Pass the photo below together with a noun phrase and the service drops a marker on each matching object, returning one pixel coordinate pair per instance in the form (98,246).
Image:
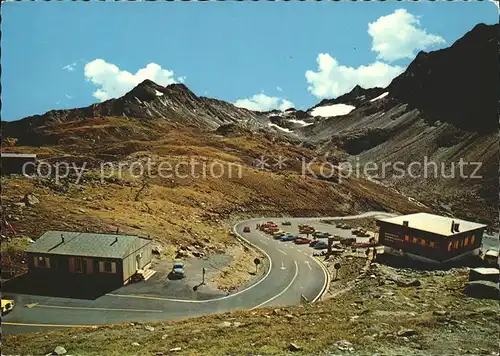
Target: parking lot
(318,226)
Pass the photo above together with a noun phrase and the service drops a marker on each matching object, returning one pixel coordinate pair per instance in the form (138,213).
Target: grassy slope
(379,313)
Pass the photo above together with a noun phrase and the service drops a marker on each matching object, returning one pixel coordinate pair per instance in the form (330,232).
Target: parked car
(287,237)
(278,236)
(273,228)
(287,223)
(246,229)
(319,253)
(302,241)
(313,242)
(321,235)
(7,305)
(307,230)
(178,270)
(320,245)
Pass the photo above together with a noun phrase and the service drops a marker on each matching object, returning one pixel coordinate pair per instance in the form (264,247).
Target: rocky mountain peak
(458,84)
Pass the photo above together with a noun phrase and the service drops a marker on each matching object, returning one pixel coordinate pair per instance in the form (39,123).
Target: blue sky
(261,55)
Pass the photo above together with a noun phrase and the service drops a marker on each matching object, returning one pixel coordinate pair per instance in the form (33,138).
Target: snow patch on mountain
(383,95)
(158,93)
(332,110)
(300,122)
(279,127)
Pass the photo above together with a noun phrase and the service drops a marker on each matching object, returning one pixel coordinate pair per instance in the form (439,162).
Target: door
(80,265)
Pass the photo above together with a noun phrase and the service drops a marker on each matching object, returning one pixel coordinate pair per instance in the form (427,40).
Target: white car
(178,270)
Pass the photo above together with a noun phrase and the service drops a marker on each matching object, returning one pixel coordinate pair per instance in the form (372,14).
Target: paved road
(290,271)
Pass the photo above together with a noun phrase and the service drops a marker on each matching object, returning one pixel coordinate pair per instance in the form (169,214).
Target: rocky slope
(149,104)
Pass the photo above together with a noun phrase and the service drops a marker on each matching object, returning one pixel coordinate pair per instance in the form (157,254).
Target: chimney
(62,238)
(453,226)
(405,223)
(456,227)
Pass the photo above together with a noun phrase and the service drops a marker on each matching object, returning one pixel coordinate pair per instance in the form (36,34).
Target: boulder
(406,332)
(294,347)
(344,345)
(157,249)
(483,290)
(59,350)
(30,200)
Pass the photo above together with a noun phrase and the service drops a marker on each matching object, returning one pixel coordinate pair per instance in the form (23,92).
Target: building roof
(17,155)
(435,224)
(86,244)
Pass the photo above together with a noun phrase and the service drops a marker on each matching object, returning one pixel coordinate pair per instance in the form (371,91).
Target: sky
(260,55)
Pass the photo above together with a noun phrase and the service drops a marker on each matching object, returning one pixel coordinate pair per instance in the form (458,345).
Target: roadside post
(257,263)
(330,243)
(203,275)
(337,267)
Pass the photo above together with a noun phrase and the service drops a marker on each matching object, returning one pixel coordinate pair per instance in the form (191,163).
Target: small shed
(110,258)
(18,163)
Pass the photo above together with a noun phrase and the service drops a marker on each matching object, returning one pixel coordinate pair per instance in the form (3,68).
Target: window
(107,267)
(450,246)
(42,262)
(407,238)
(422,242)
(472,239)
(466,241)
(457,244)
(415,240)
(431,244)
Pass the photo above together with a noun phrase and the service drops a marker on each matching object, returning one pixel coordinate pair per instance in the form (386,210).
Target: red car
(302,241)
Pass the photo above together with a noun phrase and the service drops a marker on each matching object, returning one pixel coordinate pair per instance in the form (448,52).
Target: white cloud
(397,35)
(69,67)
(334,79)
(262,102)
(69,97)
(112,82)
(394,36)
(278,88)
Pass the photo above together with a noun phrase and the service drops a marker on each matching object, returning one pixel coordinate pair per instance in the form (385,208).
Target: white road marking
(284,290)
(265,242)
(305,253)
(94,308)
(283,265)
(308,265)
(283,252)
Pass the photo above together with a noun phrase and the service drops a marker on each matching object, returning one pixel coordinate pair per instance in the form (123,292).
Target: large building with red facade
(430,237)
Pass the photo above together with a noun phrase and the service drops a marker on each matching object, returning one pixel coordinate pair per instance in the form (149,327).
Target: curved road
(291,271)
